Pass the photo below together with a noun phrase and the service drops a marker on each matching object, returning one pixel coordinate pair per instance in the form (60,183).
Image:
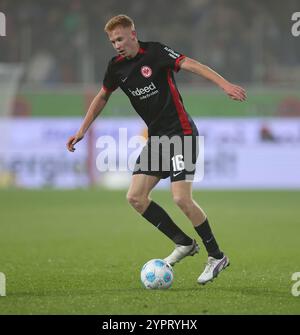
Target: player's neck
(135,50)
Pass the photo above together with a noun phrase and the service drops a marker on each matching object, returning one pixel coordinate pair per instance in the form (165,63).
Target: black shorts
(173,157)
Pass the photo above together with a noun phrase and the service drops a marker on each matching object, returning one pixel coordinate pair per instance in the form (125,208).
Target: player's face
(124,41)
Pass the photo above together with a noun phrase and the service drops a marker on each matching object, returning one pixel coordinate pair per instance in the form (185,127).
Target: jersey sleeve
(109,82)
(168,57)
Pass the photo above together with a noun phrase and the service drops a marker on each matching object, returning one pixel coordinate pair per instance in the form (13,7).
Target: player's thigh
(142,184)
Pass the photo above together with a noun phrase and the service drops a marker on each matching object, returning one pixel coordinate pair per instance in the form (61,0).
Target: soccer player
(144,72)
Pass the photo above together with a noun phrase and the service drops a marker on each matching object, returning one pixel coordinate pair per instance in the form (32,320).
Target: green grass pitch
(80,252)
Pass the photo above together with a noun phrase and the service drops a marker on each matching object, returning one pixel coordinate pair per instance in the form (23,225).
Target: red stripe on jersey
(176,67)
(119,58)
(141,51)
(108,89)
(185,124)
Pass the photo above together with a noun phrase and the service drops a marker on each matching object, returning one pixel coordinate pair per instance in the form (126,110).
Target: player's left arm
(235,92)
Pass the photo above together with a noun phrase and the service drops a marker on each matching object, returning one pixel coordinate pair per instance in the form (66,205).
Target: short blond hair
(119,20)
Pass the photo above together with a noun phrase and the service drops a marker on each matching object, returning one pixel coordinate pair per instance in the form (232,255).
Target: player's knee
(137,202)
(184,203)
(132,199)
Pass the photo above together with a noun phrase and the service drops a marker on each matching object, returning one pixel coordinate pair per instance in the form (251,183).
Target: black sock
(209,241)
(161,220)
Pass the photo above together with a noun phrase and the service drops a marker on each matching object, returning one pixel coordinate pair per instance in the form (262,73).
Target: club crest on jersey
(146,71)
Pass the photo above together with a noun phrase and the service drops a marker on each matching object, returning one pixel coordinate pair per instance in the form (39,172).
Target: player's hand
(235,92)
(72,141)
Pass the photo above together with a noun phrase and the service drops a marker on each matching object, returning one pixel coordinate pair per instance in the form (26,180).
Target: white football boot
(182,251)
(213,268)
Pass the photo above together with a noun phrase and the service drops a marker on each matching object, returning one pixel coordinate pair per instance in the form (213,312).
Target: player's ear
(133,34)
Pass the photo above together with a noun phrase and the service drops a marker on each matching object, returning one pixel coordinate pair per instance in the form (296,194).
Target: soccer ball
(157,274)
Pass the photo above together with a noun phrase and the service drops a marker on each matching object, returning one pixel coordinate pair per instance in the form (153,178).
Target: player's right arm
(94,110)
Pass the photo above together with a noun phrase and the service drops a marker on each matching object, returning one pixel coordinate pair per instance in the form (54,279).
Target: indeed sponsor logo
(140,91)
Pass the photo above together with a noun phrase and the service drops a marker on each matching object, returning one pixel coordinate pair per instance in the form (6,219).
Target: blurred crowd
(62,41)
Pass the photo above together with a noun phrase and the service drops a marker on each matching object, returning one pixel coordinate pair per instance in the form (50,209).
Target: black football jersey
(148,81)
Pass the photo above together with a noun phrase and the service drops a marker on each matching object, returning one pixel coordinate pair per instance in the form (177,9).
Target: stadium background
(70,243)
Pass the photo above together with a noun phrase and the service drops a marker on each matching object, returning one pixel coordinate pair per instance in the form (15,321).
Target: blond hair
(119,20)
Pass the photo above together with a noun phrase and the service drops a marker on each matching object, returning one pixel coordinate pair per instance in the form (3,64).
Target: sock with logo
(208,239)
(161,220)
